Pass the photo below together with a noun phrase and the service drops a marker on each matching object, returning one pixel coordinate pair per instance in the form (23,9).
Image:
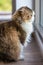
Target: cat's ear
(20,12)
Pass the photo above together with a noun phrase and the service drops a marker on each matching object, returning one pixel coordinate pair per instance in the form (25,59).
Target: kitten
(15,34)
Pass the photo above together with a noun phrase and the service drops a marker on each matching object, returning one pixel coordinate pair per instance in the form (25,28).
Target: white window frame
(5,15)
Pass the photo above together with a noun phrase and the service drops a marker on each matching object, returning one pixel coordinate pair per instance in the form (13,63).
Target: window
(41,12)
(39,18)
(28,3)
(5,9)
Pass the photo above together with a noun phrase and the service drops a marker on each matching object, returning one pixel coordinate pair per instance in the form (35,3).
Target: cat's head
(24,14)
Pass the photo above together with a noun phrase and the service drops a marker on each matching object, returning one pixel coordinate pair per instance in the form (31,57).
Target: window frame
(37,23)
(41,24)
(5,15)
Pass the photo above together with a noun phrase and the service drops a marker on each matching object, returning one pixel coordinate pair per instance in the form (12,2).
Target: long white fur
(22,52)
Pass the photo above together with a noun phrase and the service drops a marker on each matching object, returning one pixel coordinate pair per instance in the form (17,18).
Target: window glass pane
(5,5)
(5,9)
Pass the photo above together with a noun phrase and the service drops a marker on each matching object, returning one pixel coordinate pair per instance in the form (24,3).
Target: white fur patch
(21,52)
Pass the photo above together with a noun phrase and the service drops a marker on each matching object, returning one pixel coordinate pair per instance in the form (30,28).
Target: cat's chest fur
(28,28)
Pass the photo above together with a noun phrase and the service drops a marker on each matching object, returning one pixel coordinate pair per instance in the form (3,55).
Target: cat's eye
(31,15)
(28,16)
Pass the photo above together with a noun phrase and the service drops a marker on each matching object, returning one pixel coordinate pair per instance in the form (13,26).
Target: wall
(20,3)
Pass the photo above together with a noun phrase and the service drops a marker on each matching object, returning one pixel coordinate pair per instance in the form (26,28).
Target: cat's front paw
(25,44)
(21,57)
